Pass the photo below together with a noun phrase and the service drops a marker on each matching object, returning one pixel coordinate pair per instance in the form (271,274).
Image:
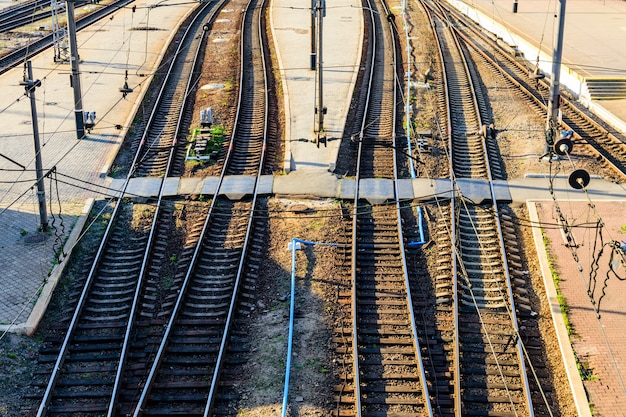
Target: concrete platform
(593,46)
(341,56)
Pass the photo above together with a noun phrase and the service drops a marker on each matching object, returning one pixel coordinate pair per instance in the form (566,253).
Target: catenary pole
(74,58)
(30,85)
(554,101)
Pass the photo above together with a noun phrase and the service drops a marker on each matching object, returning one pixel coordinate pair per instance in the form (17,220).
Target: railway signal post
(320,110)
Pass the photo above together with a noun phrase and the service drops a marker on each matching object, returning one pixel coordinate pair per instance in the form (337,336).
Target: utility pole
(321,11)
(30,85)
(75,80)
(313,34)
(552,122)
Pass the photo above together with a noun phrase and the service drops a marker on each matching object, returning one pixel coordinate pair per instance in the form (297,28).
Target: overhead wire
(593,266)
(469,285)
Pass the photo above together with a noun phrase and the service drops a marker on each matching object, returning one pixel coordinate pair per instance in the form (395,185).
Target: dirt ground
(520,141)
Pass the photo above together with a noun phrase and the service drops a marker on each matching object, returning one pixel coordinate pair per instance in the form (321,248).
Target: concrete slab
(501,191)
(347,189)
(192,186)
(144,187)
(306,183)
(170,188)
(209,187)
(237,187)
(376,191)
(291,29)
(405,189)
(428,188)
(266,184)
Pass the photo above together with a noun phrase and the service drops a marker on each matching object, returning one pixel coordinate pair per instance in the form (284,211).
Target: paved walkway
(342,38)
(598,337)
(106,49)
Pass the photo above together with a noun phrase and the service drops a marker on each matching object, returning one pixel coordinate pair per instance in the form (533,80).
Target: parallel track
(604,143)
(183,370)
(476,311)
(86,371)
(384,373)
(23,13)
(18,56)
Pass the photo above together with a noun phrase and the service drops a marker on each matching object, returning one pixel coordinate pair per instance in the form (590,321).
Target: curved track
(85,373)
(604,142)
(18,56)
(22,14)
(184,365)
(477,288)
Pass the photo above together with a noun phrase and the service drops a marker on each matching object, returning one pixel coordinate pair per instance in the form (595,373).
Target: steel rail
(192,266)
(22,19)
(231,310)
(570,107)
(27,6)
(458,259)
(12,59)
(405,270)
(355,225)
(163,96)
(27,13)
(91,276)
(453,232)
(172,153)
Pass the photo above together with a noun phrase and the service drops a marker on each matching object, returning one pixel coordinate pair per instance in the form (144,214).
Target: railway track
(86,365)
(155,319)
(603,142)
(23,13)
(383,371)
(184,329)
(184,373)
(19,55)
(477,288)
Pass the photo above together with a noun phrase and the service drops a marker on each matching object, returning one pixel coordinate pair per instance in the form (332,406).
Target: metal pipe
(291,316)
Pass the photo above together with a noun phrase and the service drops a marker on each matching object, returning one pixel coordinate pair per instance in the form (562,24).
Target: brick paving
(28,255)
(599,341)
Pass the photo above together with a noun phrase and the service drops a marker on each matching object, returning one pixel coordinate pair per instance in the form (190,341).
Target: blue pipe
(420,225)
(292,313)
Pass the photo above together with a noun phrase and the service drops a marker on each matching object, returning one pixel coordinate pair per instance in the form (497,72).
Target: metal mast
(30,85)
(552,122)
(78,99)
(59,33)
